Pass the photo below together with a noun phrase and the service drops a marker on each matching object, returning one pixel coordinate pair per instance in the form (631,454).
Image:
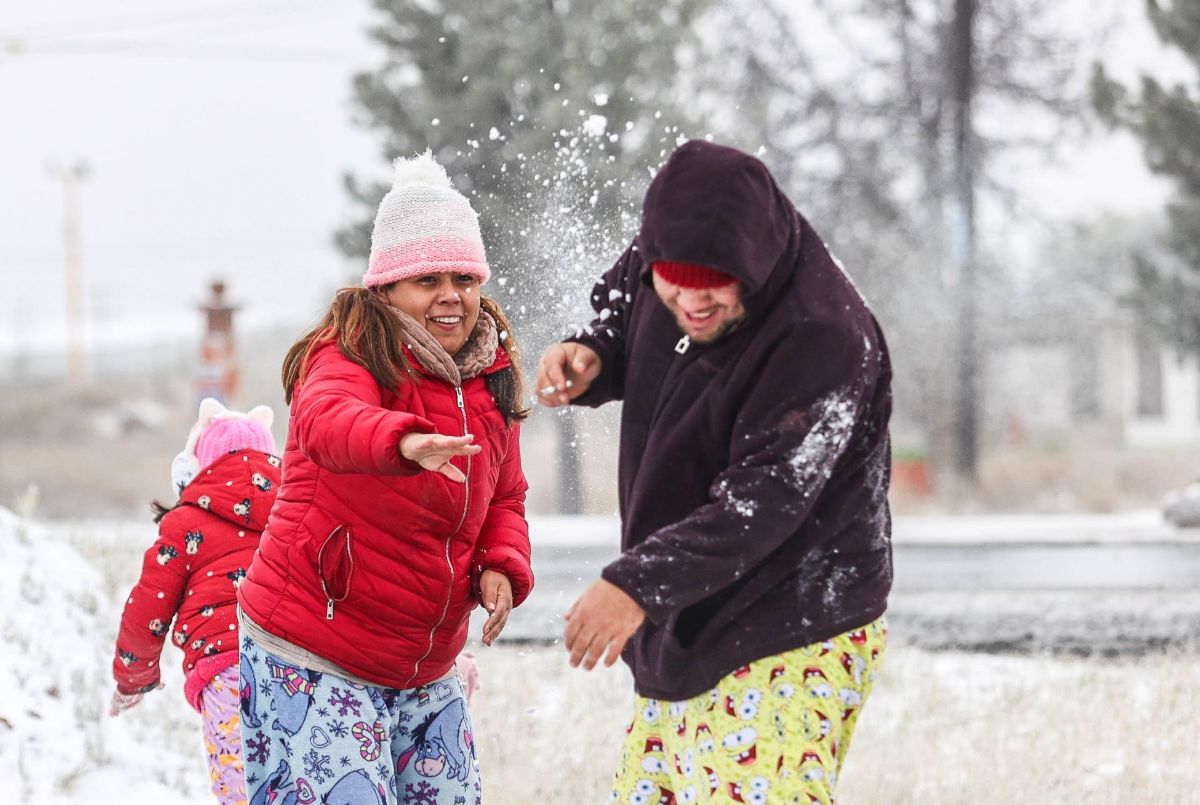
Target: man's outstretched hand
(565,372)
(604,617)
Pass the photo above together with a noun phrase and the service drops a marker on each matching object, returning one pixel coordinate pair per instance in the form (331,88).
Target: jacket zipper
(462,519)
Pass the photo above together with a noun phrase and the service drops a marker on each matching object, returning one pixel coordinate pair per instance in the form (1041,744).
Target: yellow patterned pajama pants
(774,731)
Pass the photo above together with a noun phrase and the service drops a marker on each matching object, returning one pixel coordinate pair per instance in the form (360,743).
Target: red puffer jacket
(192,572)
(368,560)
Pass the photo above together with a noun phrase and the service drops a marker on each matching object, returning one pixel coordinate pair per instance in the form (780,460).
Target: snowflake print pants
(774,731)
(311,737)
(223,737)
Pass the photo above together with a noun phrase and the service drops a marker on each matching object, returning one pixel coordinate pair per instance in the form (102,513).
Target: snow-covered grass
(940,728)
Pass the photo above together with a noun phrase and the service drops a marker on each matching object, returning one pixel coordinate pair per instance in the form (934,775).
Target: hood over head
(716,206)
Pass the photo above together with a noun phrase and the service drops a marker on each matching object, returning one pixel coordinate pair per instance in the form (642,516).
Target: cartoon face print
(747,708)
(704,739)
(274,461)
(817,725)
(193,539)
(207,610)
(779,685)
(243,509)
(261,481)
(685,764)
(127,659)
(811,767)
(165,554)
(741,746)
(653,765)
(181,636)
(211,649)
(157,627)
(650,712)
(780,727)
(236,577)
(754,790)
(817,683)
(198,644)
(647,793)
(204,502)
(855,666)
(714,781)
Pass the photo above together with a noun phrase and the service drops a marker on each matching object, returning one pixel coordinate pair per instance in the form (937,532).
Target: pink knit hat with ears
(217,432)
(424,226)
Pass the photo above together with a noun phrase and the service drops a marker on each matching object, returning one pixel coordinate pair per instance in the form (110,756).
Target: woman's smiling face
(446,304)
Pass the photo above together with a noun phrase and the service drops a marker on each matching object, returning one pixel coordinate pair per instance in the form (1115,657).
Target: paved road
(1080,598)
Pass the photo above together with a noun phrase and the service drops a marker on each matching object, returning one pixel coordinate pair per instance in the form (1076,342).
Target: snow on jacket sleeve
(149,610)
(612,298)
(503,542)
(341,425)
(783,449)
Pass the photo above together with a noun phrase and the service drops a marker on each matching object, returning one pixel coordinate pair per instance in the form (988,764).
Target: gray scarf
(476,355)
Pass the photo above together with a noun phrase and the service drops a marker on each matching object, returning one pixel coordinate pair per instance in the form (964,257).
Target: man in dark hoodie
(754,464)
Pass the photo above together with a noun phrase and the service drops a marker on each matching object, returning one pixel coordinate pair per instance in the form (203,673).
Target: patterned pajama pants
(774,731)
(311,737)
(223,737)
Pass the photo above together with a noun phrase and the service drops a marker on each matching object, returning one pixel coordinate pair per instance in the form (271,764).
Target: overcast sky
(217,134)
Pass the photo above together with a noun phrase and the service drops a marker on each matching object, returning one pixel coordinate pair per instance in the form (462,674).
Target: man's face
(704,314)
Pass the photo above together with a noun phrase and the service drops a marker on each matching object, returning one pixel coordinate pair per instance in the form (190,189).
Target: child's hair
(367,332)
(160,511)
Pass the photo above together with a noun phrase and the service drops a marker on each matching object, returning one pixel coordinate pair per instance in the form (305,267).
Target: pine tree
(1167,120)
(550,115)
(492,86)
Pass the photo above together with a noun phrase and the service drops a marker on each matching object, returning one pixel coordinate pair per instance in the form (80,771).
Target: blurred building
(1121,385)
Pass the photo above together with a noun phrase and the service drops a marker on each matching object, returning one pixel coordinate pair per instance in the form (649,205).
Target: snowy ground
(941,727)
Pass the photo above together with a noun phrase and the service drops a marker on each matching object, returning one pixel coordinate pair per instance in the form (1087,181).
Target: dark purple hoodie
(753,470)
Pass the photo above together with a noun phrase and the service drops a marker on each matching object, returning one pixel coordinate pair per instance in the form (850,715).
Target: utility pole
(570,468)
(962,240)
(71,178)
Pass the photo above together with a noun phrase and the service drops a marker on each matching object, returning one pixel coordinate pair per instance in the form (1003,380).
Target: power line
(148,19)
(204,23)
(168,50)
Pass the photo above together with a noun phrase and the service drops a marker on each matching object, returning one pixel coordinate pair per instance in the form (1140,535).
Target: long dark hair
(368,332)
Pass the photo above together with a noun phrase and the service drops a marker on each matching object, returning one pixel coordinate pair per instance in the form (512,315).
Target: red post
(218,374)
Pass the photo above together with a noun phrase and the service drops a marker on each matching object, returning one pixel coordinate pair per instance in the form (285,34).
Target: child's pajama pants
(222,737)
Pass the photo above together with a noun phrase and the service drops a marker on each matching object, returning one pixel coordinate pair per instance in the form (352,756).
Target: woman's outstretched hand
(433,451)
(496,590)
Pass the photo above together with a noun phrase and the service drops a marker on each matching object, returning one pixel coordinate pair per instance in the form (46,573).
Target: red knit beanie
(691,275)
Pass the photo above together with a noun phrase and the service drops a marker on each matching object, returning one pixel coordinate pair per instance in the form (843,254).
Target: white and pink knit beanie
(424,226)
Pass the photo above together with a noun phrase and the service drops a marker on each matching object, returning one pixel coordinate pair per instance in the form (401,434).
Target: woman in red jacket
(401,508)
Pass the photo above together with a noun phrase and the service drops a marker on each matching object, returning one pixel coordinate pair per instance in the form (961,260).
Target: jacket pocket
(335,567)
